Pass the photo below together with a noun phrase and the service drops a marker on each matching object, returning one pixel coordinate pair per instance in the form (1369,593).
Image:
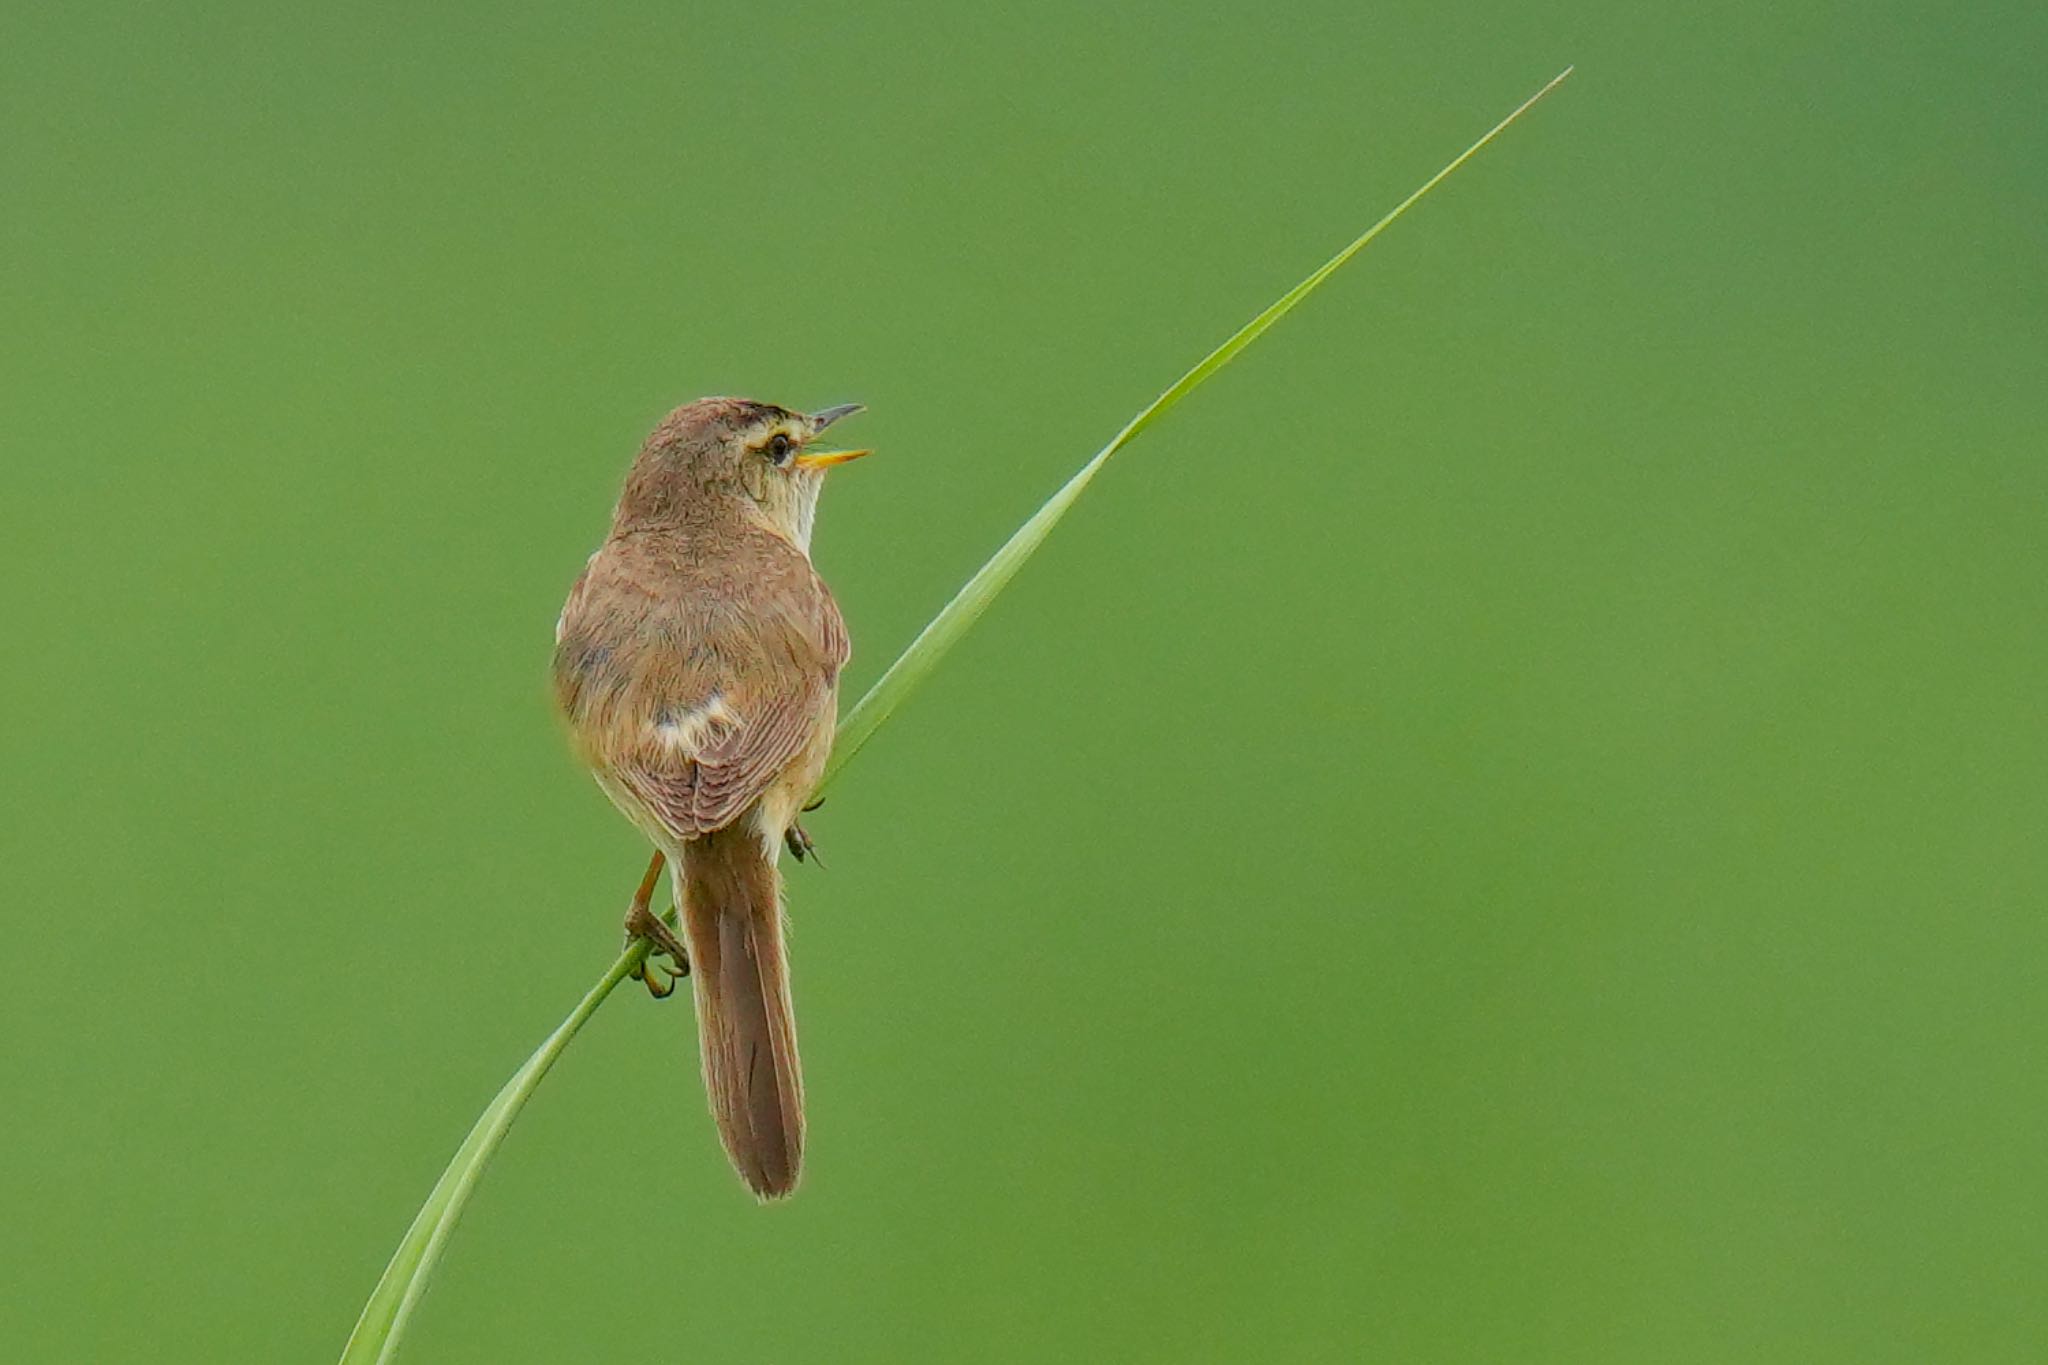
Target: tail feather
(732,917)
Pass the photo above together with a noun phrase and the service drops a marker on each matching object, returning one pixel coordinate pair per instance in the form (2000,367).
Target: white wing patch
(687,730)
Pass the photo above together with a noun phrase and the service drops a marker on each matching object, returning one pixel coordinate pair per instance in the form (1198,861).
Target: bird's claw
(644,923)
(801,846)
(659,980)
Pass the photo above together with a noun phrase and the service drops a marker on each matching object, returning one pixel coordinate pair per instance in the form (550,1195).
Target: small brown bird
(697,662)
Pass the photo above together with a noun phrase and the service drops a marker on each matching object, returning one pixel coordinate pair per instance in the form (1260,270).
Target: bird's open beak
(821,420)
(825,459)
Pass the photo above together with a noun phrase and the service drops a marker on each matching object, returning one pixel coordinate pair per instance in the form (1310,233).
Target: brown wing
(707,788)
(694,693)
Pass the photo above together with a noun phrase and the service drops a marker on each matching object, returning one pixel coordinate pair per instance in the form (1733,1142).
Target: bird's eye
(779,446)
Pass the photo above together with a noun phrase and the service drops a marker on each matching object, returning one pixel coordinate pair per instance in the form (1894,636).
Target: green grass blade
(945,630)
(382,1325)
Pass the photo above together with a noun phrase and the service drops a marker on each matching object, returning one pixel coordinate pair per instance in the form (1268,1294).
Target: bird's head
(714,449)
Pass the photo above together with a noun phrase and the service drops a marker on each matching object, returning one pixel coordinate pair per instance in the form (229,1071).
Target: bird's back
(677,623)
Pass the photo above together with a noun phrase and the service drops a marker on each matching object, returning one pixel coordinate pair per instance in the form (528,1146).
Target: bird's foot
(659,980)
(642,922)
(800,844)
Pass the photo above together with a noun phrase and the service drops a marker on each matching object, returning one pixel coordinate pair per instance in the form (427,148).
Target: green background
(1510,828)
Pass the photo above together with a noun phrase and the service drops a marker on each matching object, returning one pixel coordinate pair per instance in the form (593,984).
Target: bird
(696,665)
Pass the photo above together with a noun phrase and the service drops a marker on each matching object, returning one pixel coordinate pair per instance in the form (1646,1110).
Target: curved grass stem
(378,1332)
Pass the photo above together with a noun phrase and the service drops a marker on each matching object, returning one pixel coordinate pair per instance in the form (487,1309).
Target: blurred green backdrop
(1510,829)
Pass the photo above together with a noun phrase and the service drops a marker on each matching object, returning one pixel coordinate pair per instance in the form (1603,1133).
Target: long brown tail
(732,916)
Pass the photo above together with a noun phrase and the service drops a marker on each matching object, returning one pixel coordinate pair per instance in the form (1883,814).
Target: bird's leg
(642,922)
